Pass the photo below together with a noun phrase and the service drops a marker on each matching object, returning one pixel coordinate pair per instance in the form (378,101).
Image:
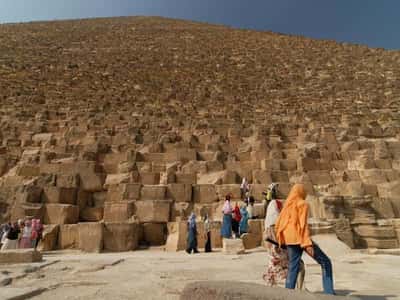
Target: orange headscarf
(297,194)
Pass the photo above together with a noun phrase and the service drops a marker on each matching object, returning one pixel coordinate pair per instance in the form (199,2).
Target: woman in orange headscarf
(292,230)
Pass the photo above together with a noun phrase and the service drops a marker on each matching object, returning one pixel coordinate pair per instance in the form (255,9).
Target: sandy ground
(155,274)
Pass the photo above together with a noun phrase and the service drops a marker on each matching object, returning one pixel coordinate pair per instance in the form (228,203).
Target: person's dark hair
(252,200)
(228,197)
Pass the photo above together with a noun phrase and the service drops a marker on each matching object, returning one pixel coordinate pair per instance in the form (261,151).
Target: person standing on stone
(244,188)
(37,231)
(250,207)
(243,225)
(11,240)
(3,233)
(292,230)
(226,228)
(192,235)
(236,217)
(207,232)
(26,239)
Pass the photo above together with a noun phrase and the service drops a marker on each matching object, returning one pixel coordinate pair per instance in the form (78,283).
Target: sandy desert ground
(155,274)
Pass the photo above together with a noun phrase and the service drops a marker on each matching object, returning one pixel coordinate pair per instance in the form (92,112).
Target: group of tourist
(286,231)
(21,235)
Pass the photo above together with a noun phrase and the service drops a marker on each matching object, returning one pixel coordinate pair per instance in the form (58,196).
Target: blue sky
(371,22)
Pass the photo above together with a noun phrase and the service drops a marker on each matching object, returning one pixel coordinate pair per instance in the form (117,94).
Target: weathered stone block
(118,211)
(68,181)
(68,236)
(149,178)
(188,178)
(57,195)
(232,246)
(91,214)
(204,193)
(153,192)
(91,237)
(20,256)
(116,179)
(225,189)
(177,236)
(121,236)
(155,233)
(91,181)
(262,177)
(153,211)
(180,192)
(61,214)
(49,238)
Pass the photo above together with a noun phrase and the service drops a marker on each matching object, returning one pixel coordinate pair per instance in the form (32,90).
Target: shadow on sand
(364,297)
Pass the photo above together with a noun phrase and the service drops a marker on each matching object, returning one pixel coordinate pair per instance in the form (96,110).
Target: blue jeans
(295,252)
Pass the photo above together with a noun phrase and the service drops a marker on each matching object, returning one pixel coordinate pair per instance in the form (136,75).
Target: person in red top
(236,217)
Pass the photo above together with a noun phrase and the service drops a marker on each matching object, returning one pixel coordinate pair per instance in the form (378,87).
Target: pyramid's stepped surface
(114,130)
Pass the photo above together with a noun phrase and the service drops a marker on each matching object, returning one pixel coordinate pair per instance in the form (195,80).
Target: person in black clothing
(11,241)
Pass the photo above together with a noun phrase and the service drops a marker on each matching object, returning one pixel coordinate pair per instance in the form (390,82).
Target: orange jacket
(292,225)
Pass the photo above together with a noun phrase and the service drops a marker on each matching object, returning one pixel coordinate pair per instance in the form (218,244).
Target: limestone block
(231,189)
(379,232)
(28,170)
(49,238)
(279,176)
(188,178)
(270,165)
(153,211)
(91,237)
(181,210)
(43,138)
(312,164)
(67,181)
(230,177)
(362,163)
(57,195)
(262,177)
(116,179)
(182,154)
(204,193)
(61,214)
(149,178)
(153,192)
(232,246)
(91,181)
(91,214)
(177,236)
(383,164)
(118,211)
(20,256)
(288,165)
(259,210)
(378,243)
(255,226)
(68,236)
(179,192)
(320,177)
(354,188)
(250,241)
(373,176)
(214,166)
(383,208)
(155,233)
(121,236)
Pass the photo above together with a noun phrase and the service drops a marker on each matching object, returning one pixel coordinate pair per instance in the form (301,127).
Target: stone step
(381,232)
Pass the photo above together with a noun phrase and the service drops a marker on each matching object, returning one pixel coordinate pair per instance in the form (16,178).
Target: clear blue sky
(371,22)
